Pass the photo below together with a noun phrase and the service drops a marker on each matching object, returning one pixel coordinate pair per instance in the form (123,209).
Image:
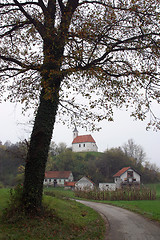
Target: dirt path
(126,225)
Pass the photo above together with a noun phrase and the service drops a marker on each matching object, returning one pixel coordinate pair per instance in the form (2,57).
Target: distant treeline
(99,167)
(12,156)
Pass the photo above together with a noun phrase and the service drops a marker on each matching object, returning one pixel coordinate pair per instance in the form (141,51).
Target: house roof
(83,139)
(57,174)
(120,172)
(69,184)
(86,179)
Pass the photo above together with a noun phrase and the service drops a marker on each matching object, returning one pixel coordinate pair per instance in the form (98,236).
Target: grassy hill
(65,219)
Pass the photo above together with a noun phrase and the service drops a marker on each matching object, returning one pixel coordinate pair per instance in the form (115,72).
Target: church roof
(83,139)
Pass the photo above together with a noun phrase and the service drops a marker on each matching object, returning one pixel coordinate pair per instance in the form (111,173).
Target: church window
(84,145)
(79,145)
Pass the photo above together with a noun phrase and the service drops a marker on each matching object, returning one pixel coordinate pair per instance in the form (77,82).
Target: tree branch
(41,4)
(38,25)
(67,15)
(19,63)
(14,28)
(61,6)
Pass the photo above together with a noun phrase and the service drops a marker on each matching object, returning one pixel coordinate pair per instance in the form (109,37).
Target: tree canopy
(107,55)
(82,57)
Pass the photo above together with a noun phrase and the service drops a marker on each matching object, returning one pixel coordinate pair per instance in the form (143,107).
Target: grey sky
(113,134)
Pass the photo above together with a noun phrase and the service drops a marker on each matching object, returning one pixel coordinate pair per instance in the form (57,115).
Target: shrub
(14,210)
(16,196)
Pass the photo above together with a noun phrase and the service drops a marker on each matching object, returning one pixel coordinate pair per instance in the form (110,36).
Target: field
(65,219)
(68,219)
(157,188)
(147,208)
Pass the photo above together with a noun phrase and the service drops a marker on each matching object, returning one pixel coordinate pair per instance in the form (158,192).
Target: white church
(83,143)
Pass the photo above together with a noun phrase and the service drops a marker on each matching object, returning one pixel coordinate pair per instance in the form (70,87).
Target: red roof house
(126,175)
(58,177)
(120,172)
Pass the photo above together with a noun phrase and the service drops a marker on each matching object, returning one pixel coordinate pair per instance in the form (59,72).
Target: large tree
(85,57)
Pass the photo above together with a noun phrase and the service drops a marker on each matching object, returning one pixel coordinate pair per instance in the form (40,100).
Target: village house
(126,176)
(57,178)
(69,185)
(84,184)
(83,143)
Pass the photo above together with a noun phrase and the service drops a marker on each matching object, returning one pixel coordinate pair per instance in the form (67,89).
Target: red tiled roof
(57,174)
(69,184)
(83,139)
(119,173)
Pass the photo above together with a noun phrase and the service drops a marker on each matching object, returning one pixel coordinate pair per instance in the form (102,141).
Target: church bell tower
(75,133)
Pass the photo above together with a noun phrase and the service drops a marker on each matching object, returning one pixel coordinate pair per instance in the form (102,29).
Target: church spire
(75,133)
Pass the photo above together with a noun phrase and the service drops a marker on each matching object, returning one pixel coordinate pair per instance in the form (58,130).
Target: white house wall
(107,186)
(50,181)
(123,177)
(84,147)
(84,184)
(135,175)
(60,182)
(70,178)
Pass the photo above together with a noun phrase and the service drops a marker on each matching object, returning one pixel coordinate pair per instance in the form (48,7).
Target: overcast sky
(113,134)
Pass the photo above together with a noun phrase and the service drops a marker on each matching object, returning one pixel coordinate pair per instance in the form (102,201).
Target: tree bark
(53,49)
(38,153)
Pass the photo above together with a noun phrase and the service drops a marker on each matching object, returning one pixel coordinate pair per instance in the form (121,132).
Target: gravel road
(125,225)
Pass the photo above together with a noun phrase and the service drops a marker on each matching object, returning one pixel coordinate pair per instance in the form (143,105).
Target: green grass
(95,154)
(59,192)
(66,219)
(70,220)
(147,208)
(4,197)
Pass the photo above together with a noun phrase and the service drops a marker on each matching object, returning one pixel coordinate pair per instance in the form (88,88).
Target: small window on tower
(83,145)
(79,145)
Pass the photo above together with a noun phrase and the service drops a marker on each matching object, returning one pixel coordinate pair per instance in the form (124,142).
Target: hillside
(99,167)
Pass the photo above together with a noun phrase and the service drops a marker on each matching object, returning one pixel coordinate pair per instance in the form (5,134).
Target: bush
(14,208)
(16,196)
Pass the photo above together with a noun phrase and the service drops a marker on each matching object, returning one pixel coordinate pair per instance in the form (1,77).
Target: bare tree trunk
(38,153)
